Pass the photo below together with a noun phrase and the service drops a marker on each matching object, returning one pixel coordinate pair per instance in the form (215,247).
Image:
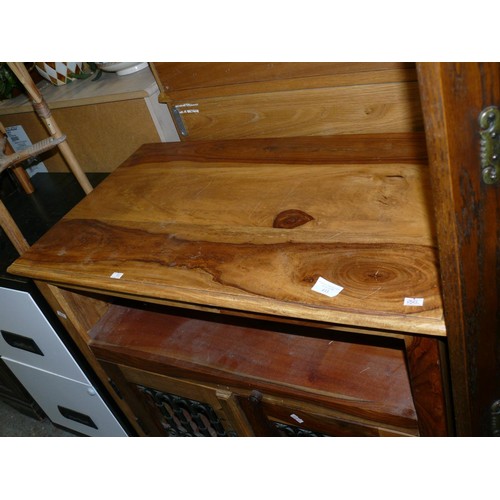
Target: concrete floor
(15,424)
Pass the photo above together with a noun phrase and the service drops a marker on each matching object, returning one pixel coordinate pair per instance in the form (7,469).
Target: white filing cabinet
(35,354)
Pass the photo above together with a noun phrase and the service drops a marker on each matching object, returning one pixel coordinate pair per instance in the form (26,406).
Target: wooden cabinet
(174,407)
(371,251)
(248,229)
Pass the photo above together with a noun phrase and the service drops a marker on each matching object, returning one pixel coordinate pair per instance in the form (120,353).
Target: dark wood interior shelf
(367,381)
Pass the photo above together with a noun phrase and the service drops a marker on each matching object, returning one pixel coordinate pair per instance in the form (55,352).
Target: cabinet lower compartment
(193,373)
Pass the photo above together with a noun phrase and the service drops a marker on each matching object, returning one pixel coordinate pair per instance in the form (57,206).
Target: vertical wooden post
(467,213)
(13,232)
(427,377)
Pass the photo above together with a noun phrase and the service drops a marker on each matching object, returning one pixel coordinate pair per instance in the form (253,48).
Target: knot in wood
(288,219)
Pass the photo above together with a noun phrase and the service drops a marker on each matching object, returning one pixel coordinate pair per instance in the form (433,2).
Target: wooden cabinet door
(467,213)
(277,417)
(166,406)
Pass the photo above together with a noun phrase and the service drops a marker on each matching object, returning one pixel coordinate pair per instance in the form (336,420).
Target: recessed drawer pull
(21,342)
(76,416)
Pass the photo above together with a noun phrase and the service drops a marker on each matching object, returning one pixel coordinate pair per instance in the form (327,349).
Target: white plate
(122,68)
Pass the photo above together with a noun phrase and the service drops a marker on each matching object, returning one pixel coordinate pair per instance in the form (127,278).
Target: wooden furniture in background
(105,120)
(244,100)
(45,115)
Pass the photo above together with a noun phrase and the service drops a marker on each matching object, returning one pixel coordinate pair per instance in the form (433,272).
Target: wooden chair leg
(24,179)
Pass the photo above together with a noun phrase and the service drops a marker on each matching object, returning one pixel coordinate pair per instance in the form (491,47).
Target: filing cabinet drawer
(27,336)
(68,403)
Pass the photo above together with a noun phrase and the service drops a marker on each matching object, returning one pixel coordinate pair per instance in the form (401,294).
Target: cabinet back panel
(359,109)
(249,100)
(179,76)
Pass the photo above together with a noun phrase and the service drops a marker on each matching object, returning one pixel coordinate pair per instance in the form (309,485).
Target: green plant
(8,82)
(90,68)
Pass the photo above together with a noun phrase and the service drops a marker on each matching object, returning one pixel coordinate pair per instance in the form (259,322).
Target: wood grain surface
(248,100)
(174,77)
(201,231)
(372,108)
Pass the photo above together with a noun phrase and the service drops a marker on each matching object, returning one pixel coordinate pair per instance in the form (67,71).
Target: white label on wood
(187,105)
(326,287)
(413,301)
(62,315)
(297,419)
(116,276)
(19,140)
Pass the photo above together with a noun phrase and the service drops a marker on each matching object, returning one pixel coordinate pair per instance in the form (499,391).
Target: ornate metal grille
(293,431)
(182,417)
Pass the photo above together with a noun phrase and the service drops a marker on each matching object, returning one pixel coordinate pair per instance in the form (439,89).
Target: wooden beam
(467,213)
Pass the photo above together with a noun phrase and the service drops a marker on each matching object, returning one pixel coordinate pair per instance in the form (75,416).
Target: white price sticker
(413,301)
(116,276)
(296,418)
(326,287)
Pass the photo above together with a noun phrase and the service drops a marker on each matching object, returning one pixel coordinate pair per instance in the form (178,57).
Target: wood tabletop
(252,225)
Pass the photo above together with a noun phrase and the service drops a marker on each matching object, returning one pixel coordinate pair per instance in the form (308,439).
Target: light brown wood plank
(201,78)
(366,149)
(205,233)
(380,108)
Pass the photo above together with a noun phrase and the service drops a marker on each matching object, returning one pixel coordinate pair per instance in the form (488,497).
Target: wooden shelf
(196,224)
(361,380)
(109,88)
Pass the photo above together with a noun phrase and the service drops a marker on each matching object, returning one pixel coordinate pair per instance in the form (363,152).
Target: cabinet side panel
(467,217)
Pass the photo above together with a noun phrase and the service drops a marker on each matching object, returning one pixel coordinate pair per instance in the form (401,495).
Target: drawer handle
(21,342)
(256,415)
(76,416)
